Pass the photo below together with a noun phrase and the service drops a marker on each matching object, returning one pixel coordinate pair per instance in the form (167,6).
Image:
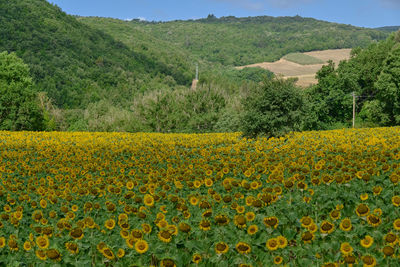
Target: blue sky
(364,13)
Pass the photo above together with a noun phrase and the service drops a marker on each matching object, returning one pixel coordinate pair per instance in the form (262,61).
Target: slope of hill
(305,73)
(388,28)
(74,63)
(241,41)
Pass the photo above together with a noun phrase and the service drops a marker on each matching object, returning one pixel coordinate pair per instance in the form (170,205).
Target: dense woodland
(98,74)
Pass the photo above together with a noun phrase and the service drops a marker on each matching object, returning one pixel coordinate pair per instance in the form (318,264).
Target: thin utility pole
(354,109)
(197,71)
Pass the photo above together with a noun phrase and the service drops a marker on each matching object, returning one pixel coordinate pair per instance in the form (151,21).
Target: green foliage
(275,109)
(388,88)
(303,59)
(19,109)
(373,73)
(242,41)
(74,63)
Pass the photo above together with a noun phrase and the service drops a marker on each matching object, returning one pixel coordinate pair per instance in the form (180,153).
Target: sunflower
(167,263)
(334,214)
(312,228)
(272,244)
(307,237)
(350,260)
(27,246)
(172,229)
(272,222)
(278,260)
(76,233)
(165,236)
(108,253)
(162,224)
(184,227)
(42,242)
(326,227)
(306,221)
(390,238)
(136,234)
(129,185)
(72,247)
(374,220)
(364,196)
(109,224)
(141,246)
(53,254)
(148,200)
(377,190)
(221,219)
(388,251)
(250,216)
(120,253)
(240,209)
(346,248)
(205,225)
(208,182)
(146,228)
(362,210)
(368,260)
(194,200)
(221,248)
(240,221)
(74,208)
(282,241)
(41,254)
(396,224)
(196,258)
(253,229)
(367,241)
(396,201)
(243,248)
(345,224)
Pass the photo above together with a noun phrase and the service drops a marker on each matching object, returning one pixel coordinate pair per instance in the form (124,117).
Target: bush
(274,109)
(19,108)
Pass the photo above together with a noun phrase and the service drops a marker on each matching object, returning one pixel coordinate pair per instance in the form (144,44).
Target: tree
(19,109)
(275,109)
(388,88)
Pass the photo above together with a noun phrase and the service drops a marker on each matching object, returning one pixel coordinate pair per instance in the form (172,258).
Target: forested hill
(74,63)
(241,41)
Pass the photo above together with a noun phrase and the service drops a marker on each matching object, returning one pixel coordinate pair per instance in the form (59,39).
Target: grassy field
(112,199)
(303,59)
(299,64)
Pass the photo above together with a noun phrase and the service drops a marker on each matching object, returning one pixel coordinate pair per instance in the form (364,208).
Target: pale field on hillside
(305,73)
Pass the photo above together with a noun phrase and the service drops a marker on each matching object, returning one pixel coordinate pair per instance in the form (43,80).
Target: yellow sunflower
(253,229)
(272,222)
(367,241)
(196,258)
(110,224)
(345,224)
(327,227)
(346,248)
(243,248)
(42,242)
(272,244)
(307,237)
(221,248)
(282,241)
(368,260)
(141,246)
(278,260)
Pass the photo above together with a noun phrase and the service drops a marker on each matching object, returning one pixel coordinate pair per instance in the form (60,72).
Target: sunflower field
(328,198)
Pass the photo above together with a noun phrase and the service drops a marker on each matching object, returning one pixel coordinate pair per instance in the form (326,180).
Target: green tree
(275,109)
(388,88)
(19,109)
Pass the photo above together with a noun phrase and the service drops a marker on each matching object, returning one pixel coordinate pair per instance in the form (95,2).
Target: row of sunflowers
(327,198)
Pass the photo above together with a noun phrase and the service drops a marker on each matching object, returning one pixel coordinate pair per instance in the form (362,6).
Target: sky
(363,13)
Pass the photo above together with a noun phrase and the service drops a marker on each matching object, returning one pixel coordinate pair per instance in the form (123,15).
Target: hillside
(74,63)
(241,41)
(303,66)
